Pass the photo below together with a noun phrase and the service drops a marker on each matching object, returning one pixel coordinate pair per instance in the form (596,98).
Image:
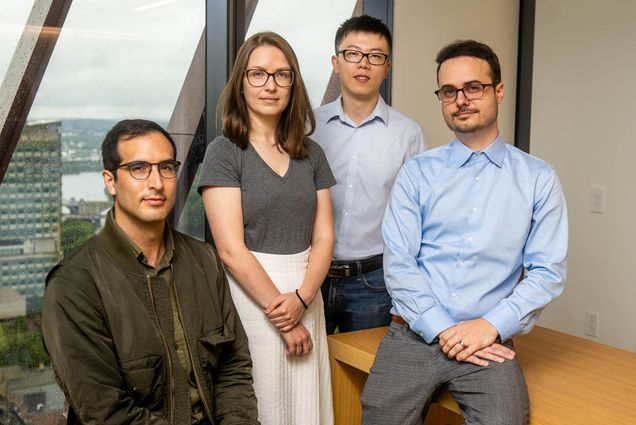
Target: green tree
(37,354)
(21,343)
(75,232)
(192,220)
(4,341)
(20,325)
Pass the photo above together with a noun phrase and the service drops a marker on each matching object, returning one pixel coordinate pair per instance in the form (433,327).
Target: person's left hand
(285,311)
(297,341)
(461,341)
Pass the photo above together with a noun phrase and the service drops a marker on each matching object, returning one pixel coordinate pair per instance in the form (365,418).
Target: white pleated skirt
(291,390)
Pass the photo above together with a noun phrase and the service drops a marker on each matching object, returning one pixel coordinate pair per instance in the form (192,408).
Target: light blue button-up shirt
(365,158)
(460,227)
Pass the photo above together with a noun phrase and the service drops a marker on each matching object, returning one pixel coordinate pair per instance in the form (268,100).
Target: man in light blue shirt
(366,142)
(463,222)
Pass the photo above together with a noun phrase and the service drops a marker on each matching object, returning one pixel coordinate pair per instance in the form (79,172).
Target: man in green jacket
(139,322)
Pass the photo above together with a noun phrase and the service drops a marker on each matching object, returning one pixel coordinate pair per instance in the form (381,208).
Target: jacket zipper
(165,344)
(208,412)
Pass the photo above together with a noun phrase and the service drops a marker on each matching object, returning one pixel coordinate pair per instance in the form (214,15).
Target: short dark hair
(128,129)
(473,49)
(363,23)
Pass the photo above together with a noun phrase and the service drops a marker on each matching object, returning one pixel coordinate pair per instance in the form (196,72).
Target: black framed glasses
(140,170)
(355,56)
(472,91)
(258,77)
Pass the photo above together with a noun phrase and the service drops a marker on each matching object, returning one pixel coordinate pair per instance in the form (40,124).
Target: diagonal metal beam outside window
(226,24)
(383,10)
(25,72)
(185,126)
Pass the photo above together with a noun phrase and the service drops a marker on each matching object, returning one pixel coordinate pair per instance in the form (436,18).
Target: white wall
(422,28)
(583,118)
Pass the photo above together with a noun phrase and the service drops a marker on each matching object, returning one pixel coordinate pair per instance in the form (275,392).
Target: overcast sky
(129,58)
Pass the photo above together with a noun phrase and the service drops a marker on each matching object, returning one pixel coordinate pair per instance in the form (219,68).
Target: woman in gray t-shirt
(265,188)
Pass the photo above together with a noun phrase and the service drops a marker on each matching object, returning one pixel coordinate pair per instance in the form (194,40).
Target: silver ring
(462,343)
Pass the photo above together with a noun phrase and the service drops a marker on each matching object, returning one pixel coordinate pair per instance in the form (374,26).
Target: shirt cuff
(432,323)
(505,320)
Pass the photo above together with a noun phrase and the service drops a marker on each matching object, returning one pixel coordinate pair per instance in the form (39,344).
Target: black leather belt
(343,269)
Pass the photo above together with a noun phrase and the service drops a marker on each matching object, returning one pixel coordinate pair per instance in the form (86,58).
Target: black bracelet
(301,300)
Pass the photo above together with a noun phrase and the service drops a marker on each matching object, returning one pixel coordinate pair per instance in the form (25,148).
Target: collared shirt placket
(474,170)
(350,184)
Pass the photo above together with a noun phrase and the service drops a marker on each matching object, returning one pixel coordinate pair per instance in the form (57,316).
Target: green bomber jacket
(108,328)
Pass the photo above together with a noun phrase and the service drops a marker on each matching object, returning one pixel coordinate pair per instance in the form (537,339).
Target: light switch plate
(597,200)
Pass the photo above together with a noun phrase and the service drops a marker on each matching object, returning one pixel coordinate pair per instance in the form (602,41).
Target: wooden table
(571,381)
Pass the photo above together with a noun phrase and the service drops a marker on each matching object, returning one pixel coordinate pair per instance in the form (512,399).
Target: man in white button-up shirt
(366,142)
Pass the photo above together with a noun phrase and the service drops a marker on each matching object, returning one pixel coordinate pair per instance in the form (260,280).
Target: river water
(88,185)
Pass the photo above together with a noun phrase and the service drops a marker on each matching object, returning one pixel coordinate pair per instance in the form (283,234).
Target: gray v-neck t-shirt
(278,211)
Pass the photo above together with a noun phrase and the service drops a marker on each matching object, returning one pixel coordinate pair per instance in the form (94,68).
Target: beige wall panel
(583,123)
(422,27)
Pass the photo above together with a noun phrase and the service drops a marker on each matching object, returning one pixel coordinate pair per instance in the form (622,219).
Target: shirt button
(469,239)
(355,157)
(477,179)
(474,209)
(350,186)
(346,213)
(460,264)
(453,295)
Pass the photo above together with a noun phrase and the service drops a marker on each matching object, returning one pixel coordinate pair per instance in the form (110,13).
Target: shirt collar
(460,153)
(496,152)
(124,250)
(381,111)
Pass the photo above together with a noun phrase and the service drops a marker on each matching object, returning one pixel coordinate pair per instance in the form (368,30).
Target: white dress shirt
(365,159)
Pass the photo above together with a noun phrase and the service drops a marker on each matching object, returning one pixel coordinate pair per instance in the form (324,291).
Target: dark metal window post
(383,10)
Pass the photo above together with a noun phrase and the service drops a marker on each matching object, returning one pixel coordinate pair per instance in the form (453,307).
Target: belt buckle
(341,271)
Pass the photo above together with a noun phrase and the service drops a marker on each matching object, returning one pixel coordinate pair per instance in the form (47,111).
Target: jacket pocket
(212,344)
(144,380)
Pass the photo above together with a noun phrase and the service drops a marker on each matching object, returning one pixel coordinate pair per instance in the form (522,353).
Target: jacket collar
(124,251)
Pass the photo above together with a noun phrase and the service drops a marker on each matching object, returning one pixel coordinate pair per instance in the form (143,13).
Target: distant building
(33,391)
(31,209)
(12,304)
(90,211)
(10,414)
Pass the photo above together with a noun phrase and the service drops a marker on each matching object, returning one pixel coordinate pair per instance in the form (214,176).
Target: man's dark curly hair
(473,49)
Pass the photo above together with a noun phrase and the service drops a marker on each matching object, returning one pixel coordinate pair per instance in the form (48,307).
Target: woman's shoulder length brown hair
(297,120)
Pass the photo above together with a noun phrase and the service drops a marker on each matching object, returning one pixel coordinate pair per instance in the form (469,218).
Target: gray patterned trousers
(407,373)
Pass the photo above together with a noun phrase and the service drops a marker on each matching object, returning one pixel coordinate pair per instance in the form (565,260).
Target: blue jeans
(356,302)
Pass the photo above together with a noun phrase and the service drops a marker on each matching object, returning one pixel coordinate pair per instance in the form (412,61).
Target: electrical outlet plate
(591,324)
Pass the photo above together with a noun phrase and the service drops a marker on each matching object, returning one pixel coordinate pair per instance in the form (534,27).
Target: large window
(113,60)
